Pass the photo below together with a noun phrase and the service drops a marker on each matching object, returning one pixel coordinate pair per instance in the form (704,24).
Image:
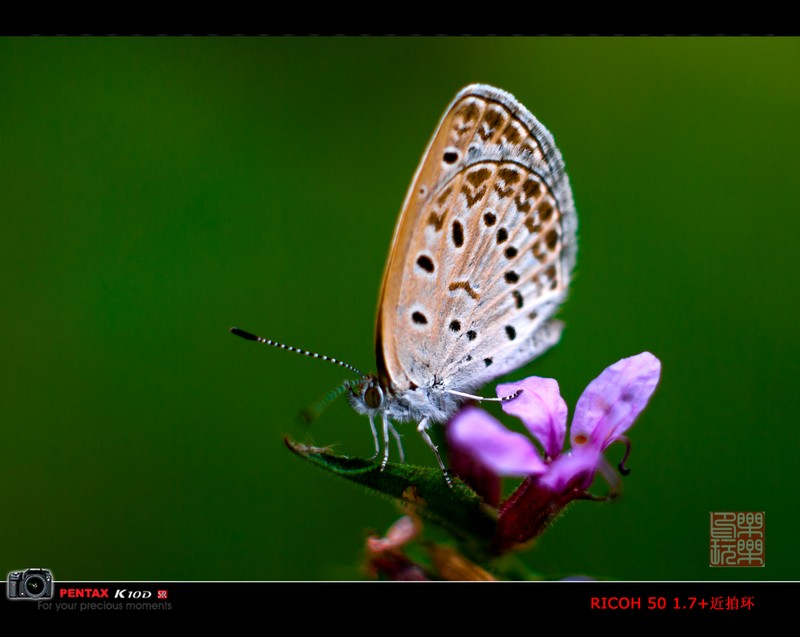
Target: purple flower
(605,411)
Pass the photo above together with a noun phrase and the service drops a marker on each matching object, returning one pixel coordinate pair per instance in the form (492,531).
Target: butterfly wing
(482,252)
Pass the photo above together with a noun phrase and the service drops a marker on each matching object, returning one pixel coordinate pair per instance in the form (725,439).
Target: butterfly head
(367,396)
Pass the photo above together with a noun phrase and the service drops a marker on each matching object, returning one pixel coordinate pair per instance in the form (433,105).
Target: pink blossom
(605,411)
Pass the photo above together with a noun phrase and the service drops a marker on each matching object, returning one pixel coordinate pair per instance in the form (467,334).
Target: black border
(321,605)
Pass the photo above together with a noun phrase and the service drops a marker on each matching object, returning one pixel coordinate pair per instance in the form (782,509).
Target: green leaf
(458,509)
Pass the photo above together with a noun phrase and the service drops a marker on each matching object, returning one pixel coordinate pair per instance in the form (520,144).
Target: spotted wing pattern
(482,252)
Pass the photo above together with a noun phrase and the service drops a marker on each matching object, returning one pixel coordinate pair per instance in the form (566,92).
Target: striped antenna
(260,339)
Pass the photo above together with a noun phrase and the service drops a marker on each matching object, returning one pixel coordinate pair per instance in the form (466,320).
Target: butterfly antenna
(260,339)
(314,410)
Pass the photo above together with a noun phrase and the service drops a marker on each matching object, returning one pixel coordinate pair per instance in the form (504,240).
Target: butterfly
(480,262)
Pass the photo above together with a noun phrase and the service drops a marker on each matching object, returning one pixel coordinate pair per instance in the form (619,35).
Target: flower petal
(541,408)
(505,452)
(613,400)
(403,531)
(574,469)
(480,478)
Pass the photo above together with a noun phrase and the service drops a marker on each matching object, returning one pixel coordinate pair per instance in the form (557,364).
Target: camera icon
(35,583)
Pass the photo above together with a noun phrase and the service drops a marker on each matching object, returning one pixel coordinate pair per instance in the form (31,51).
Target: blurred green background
(154,192)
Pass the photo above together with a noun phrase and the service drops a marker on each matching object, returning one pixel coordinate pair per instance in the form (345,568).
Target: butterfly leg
(386,426)
(374,437)
(399,443)
(422,428)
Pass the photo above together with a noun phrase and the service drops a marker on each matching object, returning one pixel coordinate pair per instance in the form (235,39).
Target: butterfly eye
(373,396)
